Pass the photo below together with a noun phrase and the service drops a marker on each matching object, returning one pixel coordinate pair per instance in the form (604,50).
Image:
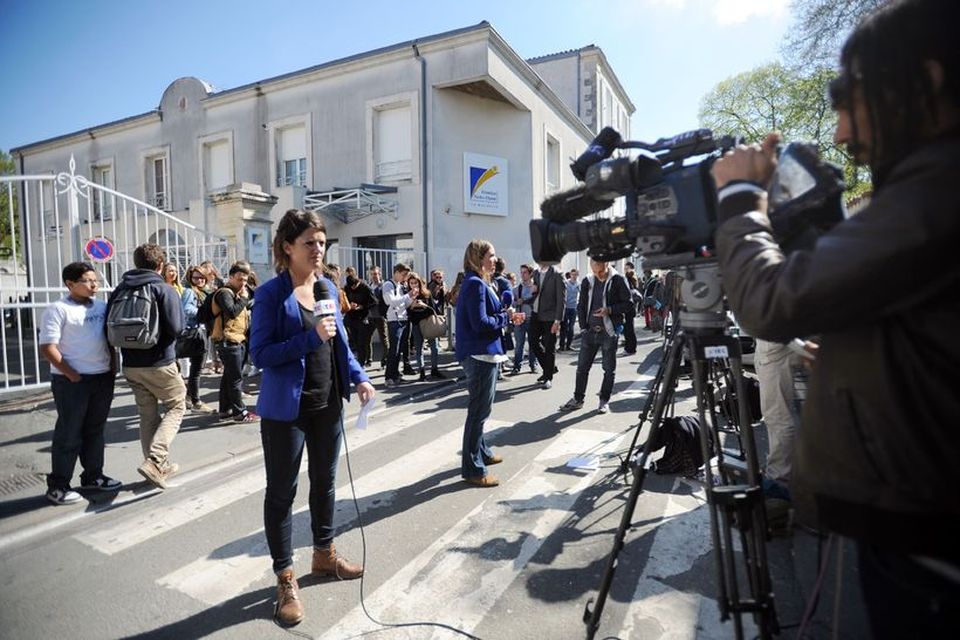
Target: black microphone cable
(363,543)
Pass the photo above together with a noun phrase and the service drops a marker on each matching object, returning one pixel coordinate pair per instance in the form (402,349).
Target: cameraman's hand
(754,163)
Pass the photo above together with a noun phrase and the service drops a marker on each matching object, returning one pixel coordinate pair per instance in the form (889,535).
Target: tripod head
(703,307)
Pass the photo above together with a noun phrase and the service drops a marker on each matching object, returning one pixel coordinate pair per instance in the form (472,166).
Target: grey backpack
(133,321)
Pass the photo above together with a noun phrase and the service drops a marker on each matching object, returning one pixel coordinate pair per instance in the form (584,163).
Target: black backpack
(205,315)
(381,305)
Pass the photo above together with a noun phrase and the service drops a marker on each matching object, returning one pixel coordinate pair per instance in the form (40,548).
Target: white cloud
(729,12)
(725,12)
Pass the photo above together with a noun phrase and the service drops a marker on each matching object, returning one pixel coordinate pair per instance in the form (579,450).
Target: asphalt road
(513,562)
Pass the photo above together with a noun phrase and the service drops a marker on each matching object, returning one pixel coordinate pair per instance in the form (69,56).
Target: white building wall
(334,102)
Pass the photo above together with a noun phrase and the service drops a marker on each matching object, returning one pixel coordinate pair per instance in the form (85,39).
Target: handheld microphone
(601,148)
(506,298)
(325,305)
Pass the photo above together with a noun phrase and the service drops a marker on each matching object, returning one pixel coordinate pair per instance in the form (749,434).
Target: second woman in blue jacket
(307,370)
(480,322)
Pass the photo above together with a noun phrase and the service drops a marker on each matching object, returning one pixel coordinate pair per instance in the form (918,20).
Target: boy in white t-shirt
(73,340)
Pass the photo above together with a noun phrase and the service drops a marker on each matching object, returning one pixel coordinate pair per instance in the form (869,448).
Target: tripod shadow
(246,607)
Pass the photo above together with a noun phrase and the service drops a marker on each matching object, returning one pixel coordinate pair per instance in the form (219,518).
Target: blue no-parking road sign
(99,249)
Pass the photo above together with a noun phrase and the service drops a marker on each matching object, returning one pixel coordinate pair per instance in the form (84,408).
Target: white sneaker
(546,384)
(63,496)
(603,408)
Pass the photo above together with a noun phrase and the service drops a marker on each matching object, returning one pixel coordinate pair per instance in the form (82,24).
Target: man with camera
(879,442)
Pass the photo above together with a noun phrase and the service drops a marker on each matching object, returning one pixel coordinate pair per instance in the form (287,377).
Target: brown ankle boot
(289,609)
(326,562)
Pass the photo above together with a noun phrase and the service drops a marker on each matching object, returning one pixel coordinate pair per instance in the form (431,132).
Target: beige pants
(153,385)
(774,364)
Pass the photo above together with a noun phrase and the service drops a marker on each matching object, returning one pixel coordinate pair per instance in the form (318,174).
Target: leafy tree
(8,167)
(776,98)
(820,27)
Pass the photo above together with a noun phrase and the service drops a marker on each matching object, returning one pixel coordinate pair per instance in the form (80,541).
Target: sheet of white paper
(364,414)
(588,463)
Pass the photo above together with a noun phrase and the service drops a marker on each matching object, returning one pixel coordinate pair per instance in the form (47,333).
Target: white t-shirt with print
(77,330)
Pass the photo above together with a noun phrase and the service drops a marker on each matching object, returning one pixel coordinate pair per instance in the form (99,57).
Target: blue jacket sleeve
(474,295)
(269,346)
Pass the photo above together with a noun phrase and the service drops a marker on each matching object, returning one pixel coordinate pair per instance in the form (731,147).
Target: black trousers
(544,345)
(231,384)
(629,334)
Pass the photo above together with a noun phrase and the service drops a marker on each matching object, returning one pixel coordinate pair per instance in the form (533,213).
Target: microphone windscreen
(601,148)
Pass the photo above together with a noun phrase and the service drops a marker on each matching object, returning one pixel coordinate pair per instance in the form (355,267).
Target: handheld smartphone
(797,346)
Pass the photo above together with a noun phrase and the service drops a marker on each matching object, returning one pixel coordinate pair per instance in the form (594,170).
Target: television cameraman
(876,458)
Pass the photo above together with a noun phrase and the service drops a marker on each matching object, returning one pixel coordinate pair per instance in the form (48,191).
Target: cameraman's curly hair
(885,57)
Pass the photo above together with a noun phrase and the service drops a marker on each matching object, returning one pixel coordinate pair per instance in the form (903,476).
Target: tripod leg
(655,390)
(592,618)
(757,555)
(706,434)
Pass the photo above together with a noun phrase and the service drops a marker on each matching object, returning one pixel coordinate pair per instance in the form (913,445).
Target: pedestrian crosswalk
(461,561)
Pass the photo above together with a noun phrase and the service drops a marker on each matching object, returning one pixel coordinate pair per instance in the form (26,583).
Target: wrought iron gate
(53,220)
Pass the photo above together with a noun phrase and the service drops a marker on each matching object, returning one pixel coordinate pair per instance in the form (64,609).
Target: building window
(392,140)
(553,164)
(291,156)
(217,164)
(157,181)
(102,174)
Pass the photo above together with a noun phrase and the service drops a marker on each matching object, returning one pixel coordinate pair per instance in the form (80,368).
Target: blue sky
(70,65)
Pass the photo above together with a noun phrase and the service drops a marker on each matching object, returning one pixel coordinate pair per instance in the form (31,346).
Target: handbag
(433,326)
(191,342)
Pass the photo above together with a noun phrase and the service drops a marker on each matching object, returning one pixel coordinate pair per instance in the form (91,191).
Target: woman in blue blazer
(480,321)
(307,370)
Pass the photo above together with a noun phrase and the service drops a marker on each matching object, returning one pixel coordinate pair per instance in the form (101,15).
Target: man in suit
(547,315)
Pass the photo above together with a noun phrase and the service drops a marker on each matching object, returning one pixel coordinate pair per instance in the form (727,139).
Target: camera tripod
(737,500)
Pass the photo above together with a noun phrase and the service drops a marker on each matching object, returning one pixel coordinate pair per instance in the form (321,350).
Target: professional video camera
(671,206)
(671,217)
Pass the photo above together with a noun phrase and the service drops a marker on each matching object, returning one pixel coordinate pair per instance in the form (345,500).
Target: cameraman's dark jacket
(879,449)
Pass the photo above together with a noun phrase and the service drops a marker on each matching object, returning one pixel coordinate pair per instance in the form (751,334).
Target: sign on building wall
(485,180)
(258,245)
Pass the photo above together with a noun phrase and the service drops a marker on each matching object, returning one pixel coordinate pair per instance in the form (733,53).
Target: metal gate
(53,220)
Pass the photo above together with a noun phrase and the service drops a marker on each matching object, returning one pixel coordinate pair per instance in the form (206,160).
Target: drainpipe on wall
(423,158)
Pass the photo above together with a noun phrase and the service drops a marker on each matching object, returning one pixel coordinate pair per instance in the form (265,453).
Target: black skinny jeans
(193,380)
(283,442)
(231,384)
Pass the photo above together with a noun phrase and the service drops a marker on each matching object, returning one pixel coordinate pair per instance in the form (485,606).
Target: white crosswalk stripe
(460,591)
(124,533)
(214,580)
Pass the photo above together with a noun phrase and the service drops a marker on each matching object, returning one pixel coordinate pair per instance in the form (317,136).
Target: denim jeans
(590,343)
(905,599)
(82,410)
(395,331)
(481,388)
(520,332)
(283,442)
(231,384)
(417,341)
